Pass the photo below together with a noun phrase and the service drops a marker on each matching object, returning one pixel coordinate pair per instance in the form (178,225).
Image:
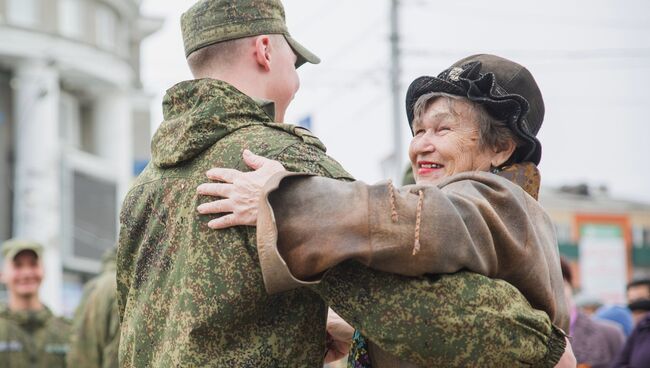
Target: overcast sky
(591,59)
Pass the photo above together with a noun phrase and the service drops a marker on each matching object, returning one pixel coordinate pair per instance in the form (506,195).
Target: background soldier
(96,327)
(30,336)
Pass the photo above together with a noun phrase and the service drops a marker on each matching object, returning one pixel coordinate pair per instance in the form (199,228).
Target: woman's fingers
(216,207)
(224,175)
(215,189)
(239,192)
(254,161)
(228,221)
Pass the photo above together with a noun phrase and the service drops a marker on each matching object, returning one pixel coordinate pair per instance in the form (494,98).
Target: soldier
(190,296)
(96,327)
(30,336)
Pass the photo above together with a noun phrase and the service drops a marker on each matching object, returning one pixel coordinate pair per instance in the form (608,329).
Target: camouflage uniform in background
(32,339)
(96,329)
(194,297)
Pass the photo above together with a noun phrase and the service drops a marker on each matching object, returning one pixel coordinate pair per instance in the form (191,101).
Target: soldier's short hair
(222,53)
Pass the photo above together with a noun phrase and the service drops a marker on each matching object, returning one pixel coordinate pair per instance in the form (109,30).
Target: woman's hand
(240,191)
(568,360)
(339,337)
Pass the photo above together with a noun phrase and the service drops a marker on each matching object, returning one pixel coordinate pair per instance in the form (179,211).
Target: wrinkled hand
(240,191)
(568,360)
(339,337)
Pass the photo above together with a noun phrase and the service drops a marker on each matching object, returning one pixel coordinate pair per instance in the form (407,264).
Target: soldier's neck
(248,81)
(22,303)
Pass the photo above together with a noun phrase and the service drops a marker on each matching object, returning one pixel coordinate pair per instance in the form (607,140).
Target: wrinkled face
(446,142)
(284,78)
(23,275)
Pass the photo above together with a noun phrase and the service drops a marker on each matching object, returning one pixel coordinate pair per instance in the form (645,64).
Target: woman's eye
(443,128)
(419,131)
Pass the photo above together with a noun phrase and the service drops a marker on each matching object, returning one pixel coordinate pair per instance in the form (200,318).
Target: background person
(638,298)
(30,335)
(595,343)
(636,352)
(95,336)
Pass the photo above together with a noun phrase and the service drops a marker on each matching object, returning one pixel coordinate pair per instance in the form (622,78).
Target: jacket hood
(197,114)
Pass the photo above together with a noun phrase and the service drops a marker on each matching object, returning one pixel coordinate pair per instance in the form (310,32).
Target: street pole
(395,71)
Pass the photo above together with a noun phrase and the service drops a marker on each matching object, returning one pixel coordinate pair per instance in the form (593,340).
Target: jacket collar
(526,175)
(28,320)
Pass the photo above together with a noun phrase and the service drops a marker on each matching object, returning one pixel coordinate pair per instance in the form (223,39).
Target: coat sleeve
(432,321)
(480,223)
(458,320)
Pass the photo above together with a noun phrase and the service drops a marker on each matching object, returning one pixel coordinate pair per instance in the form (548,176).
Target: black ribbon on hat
(482,88)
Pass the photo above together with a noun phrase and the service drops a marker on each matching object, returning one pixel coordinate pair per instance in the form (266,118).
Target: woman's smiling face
(446,141)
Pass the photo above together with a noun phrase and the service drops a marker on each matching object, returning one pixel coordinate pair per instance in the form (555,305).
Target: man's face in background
(23,275)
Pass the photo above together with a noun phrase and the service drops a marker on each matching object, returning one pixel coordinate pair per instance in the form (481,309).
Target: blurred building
(74,128)
(606,239)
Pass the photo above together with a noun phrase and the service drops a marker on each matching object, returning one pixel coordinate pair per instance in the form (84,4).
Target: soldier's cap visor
(304,55)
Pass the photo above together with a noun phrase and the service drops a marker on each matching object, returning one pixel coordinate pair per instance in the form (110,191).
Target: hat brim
(304,55)
(14,252)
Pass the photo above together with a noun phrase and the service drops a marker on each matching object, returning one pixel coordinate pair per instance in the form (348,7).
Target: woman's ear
(503,153)
(263,50)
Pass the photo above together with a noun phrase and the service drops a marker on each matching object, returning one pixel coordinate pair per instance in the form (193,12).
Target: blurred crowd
(614,336)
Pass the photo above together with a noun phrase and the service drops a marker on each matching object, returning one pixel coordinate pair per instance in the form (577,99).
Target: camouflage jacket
(32,339)
(96,329)
(190,296)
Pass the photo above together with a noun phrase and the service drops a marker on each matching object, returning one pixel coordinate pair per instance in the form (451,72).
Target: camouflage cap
(12,247)
(213,21)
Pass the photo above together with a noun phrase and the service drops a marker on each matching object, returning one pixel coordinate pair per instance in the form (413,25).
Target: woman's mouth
(426,167)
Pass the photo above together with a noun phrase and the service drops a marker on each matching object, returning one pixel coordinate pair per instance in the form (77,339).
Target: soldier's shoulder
(307,158)
(267,138)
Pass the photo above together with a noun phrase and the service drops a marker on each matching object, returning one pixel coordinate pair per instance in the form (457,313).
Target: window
(124,43)
(641,236)
(69,120)
(23,12)
(141,138)
(89,208)
(106,29)
(94,216)
(70,18)
(6,158)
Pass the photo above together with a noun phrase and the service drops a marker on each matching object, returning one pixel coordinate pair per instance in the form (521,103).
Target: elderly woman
(474,155)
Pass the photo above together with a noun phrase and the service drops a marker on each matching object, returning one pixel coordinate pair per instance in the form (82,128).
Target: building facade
(74,129)
(606,239)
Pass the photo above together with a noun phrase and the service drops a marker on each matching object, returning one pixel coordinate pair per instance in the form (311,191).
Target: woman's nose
(425,144)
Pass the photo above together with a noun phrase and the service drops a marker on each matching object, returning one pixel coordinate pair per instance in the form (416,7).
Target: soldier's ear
(263,52)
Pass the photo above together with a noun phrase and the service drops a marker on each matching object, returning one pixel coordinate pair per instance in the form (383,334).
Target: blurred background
(81,84)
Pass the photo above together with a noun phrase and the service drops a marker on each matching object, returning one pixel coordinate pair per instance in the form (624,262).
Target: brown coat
(474,221)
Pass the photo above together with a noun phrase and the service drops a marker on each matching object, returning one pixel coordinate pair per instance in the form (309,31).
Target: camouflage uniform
(32,339)
(96,329)
(191,296)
